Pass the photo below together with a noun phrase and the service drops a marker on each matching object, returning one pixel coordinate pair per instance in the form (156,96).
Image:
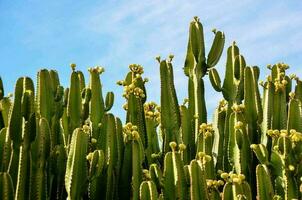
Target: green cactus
(6,186)
(174,181)
(196,66)
(170,114)
(148,191)
(40,151)
(76,167)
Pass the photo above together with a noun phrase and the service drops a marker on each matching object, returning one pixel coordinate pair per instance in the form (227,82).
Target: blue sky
(35,34)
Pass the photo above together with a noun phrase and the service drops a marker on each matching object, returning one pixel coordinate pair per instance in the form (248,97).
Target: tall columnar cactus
(198,184)
(5,141)
(21,126)
(174,180)
(131,169)
(40,152)
(148,191)
(135,94)
(6,186)
(28,135)
(96,102)
(74,105)
(196,66)
(232,90)
(152,116)
(170,114)
(76,168)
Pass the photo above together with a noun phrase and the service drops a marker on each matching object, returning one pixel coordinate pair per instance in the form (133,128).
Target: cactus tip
(73,66)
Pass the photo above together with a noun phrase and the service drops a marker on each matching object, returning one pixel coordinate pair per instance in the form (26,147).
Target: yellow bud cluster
(121,82)
(238,125)
(73,66)
(136,69)
(295,136)
(130,130)
(204,158)
(151,110)
(214,183)
(291,95)
(146,174)
(138,92)
(283,133)
(273,133)
(173,145)
(97,69)
(222,105)
(89,156)
(231,177)
(280,84)
(86,129)
(131,89)
(182,147)
(238,108)
(206,129)
(282,66)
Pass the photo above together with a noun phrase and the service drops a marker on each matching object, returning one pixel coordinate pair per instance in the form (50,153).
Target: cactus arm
(15,119)
(216,49)
(229,87)
(198,185)
(175,185)
(3,132)
(156,176)
(264,184)
(267,104)
(168,181)
(24,167)
(251,102)
(170,114)
(109,101)
(5,106)
(97,108)
(125,173)
(76,168)
(6,186)
(232,148)
(45,94)
(148,191)
(219,125)
(40,152)
(119,147)
(188,136)
(261,153)
(137,160)
(74,105)
(227,192)
(215,79)
(294,120)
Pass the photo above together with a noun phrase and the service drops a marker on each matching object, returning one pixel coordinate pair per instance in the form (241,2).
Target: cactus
(76,168)
(170,114)
(175,185)
(196,66)
(63,143)
(6,186)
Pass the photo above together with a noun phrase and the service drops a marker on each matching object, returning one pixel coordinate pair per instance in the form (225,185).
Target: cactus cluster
(58,143)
